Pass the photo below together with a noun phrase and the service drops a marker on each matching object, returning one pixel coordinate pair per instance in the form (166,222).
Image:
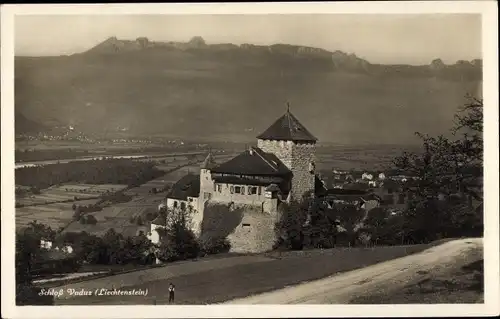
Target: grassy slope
(461,283)
(203,95)
(213,284)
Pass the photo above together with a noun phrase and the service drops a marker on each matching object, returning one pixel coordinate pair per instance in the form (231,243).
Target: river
(89,158)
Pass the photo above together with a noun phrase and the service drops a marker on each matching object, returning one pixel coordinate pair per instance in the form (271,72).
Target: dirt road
(390,275)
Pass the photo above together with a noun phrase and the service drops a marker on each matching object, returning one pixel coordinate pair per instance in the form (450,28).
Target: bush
(139,221)
(178,241)
(77,215)
(91,220)
(211,246)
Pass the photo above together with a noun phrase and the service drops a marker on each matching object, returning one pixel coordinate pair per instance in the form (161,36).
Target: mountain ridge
(197,89)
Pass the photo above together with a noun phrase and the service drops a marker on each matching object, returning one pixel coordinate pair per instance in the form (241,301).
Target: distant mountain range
(227,91)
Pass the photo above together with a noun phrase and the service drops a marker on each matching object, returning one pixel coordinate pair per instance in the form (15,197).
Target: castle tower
(206,182)
(295,146)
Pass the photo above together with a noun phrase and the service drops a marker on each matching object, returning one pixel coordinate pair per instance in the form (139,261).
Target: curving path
(389,275)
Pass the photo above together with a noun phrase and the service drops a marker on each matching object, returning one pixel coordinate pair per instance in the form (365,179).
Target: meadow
(216,280)
(68,193)
(53,215)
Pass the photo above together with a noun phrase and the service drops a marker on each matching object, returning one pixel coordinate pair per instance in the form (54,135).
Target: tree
(449,177)
(91,220)
(139,221)
(350,217)
(292,218)
(178,241)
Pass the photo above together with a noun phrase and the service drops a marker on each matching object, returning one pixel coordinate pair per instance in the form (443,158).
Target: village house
(360,199)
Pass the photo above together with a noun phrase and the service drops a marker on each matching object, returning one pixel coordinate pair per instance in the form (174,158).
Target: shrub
(77,215)
(91,220)
(139,221)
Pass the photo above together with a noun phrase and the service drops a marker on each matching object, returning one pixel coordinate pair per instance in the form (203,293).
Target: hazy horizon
(387,39)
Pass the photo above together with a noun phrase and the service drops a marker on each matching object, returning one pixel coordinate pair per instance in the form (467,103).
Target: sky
(396,38)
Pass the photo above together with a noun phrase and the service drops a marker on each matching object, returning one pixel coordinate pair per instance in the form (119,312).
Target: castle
(280,168)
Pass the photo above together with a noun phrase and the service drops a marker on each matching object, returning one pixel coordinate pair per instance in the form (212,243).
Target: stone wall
(297,157)
(206,187)
(255,233)
(225,194)
(247,228)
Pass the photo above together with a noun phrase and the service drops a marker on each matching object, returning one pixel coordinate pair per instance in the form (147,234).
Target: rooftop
(253,161)
(287,128)
(188,186)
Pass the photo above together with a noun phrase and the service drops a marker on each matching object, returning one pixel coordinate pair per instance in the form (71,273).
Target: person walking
(171,293)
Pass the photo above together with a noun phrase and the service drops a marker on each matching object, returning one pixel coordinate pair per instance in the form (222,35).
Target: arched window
(175,204)
(183,205)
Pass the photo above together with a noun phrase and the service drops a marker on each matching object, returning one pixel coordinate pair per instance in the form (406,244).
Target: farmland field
(53,215)
(118,216)
(68,192)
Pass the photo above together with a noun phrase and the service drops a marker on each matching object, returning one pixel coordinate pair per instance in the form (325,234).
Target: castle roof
(209,162)
(253,161)
(287,128)
(187,186)
(240,180)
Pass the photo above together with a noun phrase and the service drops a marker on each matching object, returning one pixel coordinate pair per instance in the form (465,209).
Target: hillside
(227,91)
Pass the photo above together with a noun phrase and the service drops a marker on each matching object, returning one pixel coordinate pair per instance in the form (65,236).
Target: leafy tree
(178,241)
(322,231)
(350,217)
(449,178)
(139,221)
(290,226)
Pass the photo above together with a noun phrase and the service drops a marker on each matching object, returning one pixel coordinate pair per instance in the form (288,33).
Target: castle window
(231,189)
(237,189)
(253,190)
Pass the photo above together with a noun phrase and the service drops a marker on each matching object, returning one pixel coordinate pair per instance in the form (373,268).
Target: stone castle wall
(304,155)
(206,187)
(297,157)
(247,228)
